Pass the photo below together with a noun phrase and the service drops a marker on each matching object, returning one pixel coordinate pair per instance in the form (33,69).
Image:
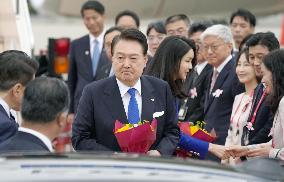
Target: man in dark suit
(87,57)
(260,44)
(128,97)
(16,70)
(224,85)
(192,108)
(242,24)
(44,111)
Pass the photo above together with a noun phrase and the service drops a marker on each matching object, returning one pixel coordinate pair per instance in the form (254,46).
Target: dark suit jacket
(8,127)
(23,142)
(218,109)
(101,105)
(263,121)
(195,105)
(80,69)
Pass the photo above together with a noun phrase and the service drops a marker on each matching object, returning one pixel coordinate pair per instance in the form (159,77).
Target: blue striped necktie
(133,111)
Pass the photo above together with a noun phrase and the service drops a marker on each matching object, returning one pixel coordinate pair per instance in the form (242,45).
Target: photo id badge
(182,112)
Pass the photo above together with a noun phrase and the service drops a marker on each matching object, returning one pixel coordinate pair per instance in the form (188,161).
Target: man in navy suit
(242,24)
(116,98)
(87,57)
(260,44)
(224,85)
(16,70)
(44,112)
(192,108)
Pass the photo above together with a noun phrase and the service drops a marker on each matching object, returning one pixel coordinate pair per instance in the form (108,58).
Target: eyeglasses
(212,47)
(179,31)
(159,38)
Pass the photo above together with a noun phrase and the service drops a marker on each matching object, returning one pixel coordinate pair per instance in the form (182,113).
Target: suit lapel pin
(86,52)
(193,93)
(217,93)
(152,100)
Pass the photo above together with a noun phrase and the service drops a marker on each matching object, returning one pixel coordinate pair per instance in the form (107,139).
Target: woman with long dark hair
(172,63)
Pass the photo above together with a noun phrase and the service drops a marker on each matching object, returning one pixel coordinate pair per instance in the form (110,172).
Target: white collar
(100,38)
(39,135)
(124,88)
(221,66)
(5,106)
(200,67)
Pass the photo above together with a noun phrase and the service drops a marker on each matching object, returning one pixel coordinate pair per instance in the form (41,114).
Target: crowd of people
(225,75)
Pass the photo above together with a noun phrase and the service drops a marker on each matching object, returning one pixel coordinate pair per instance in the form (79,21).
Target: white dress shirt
(125,96)
(200,67)
(42,137)
(221,66)
(100,39)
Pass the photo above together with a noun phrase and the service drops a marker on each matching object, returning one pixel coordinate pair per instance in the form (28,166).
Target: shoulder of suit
(154,80)
(5,120)
(99,84)
(80,39)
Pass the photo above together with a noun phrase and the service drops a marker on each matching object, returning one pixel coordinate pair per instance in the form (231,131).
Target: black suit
(23,142)
(101,104)
(80,69)
(8,126)
(195,104)
(218,109)
(263,121)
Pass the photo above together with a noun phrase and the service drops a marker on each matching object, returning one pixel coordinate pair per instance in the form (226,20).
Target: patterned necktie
(96,56)
(133,111)
(214,78)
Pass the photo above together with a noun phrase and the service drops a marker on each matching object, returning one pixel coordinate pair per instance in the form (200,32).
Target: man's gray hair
(221,31)
(44,98)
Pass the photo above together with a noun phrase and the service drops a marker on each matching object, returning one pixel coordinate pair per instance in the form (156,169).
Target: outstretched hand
(219,151)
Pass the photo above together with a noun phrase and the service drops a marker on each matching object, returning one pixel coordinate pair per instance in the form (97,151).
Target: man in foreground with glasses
(217,42)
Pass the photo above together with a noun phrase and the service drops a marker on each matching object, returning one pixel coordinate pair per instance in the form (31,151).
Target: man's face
(240,29)
(154,40)
(177,28)
(126,22)
(216,50)
(128,61)
(256,54)
(200,52)
(17,94)
(93,21)
(107,42)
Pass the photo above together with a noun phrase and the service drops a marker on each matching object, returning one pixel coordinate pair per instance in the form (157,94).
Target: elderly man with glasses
(224,85)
